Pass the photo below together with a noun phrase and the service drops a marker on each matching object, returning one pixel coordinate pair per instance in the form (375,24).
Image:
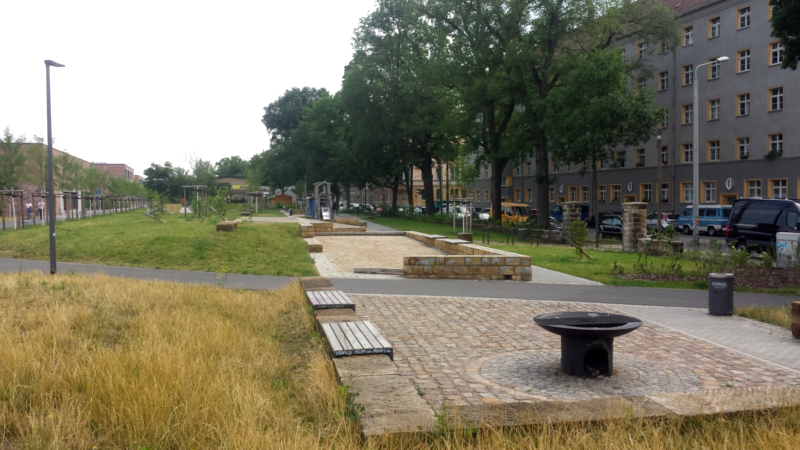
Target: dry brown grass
(94,361)
(776,315)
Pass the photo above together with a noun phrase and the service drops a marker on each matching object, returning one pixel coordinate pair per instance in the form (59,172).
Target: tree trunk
(409,179)
(594,200)
(347,193)
(542,185)
(395,188)
(498,166)
(441,191)
(426,168)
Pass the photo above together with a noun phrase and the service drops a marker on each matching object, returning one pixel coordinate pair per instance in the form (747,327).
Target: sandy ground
(383,252)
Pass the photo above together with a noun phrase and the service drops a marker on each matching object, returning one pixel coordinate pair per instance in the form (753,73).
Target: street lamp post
(696,154)
(51,196)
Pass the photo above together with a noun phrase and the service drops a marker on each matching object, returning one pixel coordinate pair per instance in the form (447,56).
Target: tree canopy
(786,27)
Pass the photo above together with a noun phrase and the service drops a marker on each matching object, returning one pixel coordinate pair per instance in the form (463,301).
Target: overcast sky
(153,81)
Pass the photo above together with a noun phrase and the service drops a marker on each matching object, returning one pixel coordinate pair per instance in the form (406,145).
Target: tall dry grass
(94,361)
(776,315)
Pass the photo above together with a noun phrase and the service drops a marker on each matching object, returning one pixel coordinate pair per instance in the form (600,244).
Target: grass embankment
(132,239)
(776,315)
(100,362)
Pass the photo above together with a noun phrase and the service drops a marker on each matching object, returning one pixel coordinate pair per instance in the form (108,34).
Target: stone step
(313,245)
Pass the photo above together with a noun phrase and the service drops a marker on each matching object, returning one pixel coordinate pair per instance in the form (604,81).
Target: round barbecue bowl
(587,325)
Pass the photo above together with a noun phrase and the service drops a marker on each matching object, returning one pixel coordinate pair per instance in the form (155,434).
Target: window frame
(602,193)
(618,189)
(690,73)
(683,114)
(582,190)
(486,197)
(780,51)
(640,153)
(711,27)
(570,191)
(714,64)
(641,50)
(528,195)
(663,81)
(739,150)
(683,153)
(642,189)
(769,99)
(739,60)
(771,184)
(748,104)
(708,151)
(769,143)
(709,108)
(683,198)
(739,18)
(705,184)
(664,152)
(748,184)
(669,192)
(684,33)
(665,119)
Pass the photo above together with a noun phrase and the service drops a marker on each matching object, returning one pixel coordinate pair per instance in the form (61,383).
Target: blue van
(558,212)
(713,219)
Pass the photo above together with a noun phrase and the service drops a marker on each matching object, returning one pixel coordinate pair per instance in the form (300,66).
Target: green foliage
(220,201)
(12,160)
(234,166)
(786,27)
(156,202)
(579,233)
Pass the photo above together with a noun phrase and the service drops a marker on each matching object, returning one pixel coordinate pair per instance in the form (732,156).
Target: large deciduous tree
(597,110)
(12,159)
(233,166)
(786,27)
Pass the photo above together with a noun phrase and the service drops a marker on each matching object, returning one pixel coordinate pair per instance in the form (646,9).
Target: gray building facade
(749,121)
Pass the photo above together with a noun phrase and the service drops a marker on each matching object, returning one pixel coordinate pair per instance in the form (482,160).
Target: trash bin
(290,211)
(522,234)
(720,294)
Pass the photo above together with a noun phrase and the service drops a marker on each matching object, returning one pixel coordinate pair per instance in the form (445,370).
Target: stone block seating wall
(655,247)
(796,320)
(227,226)
(465,261)
(355,222)
(634,225)
(465,236)
(313,245)
(572,212)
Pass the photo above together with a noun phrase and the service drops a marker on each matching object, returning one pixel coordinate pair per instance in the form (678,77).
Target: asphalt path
(446,288)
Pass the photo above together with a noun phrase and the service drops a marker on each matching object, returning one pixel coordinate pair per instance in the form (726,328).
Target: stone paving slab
(474,352)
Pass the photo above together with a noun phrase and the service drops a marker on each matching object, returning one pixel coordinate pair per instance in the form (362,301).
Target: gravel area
(382,252)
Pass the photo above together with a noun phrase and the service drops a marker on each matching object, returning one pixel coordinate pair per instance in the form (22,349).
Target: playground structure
(466,214)
(196,189)
(322,204)
(252,200)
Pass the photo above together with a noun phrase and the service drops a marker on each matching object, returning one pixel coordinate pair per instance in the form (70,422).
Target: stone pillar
(572,212)
(796,320)
(634,225)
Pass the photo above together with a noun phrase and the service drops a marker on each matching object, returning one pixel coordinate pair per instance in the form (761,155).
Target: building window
(688,153)
(528,195)
(688,75)
(776,99)
(620,158)
(516,195)
(665,120)
(527,168)
(552,194)
(664,192)
(778,188)
(640,83)
(664,156)
(714,69)
(663,81)
(603,164)
(744,105)
(585,194)
(775,53)
(688,36)
(743,144)
(477,195)
(713,150)
(646,192)
(616,193)
(709,192)
(623,54)
(776,144)
(744,17)
(713,109)
(663,47)
(486,195)
(639,157)
(744,60)
(517,171)
(573,193)
(714,27)
(601,194)
(641,50)
(753,188)
(687,192)
(688,114)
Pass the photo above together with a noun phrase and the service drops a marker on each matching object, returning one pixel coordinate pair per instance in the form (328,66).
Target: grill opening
(595,362)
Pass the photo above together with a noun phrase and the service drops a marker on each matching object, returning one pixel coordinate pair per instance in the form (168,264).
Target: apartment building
(749,121)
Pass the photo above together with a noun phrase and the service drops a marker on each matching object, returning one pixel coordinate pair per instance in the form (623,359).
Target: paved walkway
(455,288)
(370,226)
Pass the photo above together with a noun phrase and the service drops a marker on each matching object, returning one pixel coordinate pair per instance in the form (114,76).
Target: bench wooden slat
(351,338)
(359,335)
(329,299)
(341,337)
(374,343)
(377,334)
(323,297)
(342,297)
(312,297)
(330,335)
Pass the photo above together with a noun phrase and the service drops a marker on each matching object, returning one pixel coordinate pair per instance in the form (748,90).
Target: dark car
(601,216)
(610,226)
(754,222)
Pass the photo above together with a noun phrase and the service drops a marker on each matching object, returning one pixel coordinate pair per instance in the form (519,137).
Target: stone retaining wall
(350,221)
(465,261)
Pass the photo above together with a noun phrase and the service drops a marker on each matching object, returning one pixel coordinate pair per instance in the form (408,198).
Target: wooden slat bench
(329,299)
(356,338)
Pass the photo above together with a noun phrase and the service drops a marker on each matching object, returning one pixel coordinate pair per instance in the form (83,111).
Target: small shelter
(282,199)
(252,200)
(322,201)
(196,189)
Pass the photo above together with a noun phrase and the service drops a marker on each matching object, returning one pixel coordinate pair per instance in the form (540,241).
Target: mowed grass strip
(101,362)
(134,240)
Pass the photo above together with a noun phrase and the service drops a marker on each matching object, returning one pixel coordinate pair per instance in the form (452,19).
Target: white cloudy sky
(153,81)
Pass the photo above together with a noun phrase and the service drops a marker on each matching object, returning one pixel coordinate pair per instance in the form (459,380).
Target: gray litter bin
(720,294)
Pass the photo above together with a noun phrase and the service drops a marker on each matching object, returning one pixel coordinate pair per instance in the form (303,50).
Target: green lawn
(131,239)
(443,229)
(269,213)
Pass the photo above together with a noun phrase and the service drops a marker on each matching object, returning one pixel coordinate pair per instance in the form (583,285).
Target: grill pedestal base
(587,357)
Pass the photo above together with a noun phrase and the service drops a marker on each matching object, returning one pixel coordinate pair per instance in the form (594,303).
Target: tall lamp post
(51,195)
(696,153)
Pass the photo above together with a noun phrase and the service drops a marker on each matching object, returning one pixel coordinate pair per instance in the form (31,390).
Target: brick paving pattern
(481,351)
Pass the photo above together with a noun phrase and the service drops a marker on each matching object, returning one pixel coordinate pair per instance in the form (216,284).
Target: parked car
(481,214)
(513,213)
(555,224)
(368,207)
(713,219)
(610,226)
(354,206)
(558,212)
(419,210)
(601,216)
(754,222)
(667,220)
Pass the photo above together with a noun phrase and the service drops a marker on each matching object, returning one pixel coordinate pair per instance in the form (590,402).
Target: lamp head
(722,59)
(50,62)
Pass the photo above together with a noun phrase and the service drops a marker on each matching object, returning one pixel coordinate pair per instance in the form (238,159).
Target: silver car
(668,219)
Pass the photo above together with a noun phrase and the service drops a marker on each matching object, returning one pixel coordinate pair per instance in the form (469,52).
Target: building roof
(687,6)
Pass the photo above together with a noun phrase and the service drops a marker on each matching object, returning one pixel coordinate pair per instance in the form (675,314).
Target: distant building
(117,170)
